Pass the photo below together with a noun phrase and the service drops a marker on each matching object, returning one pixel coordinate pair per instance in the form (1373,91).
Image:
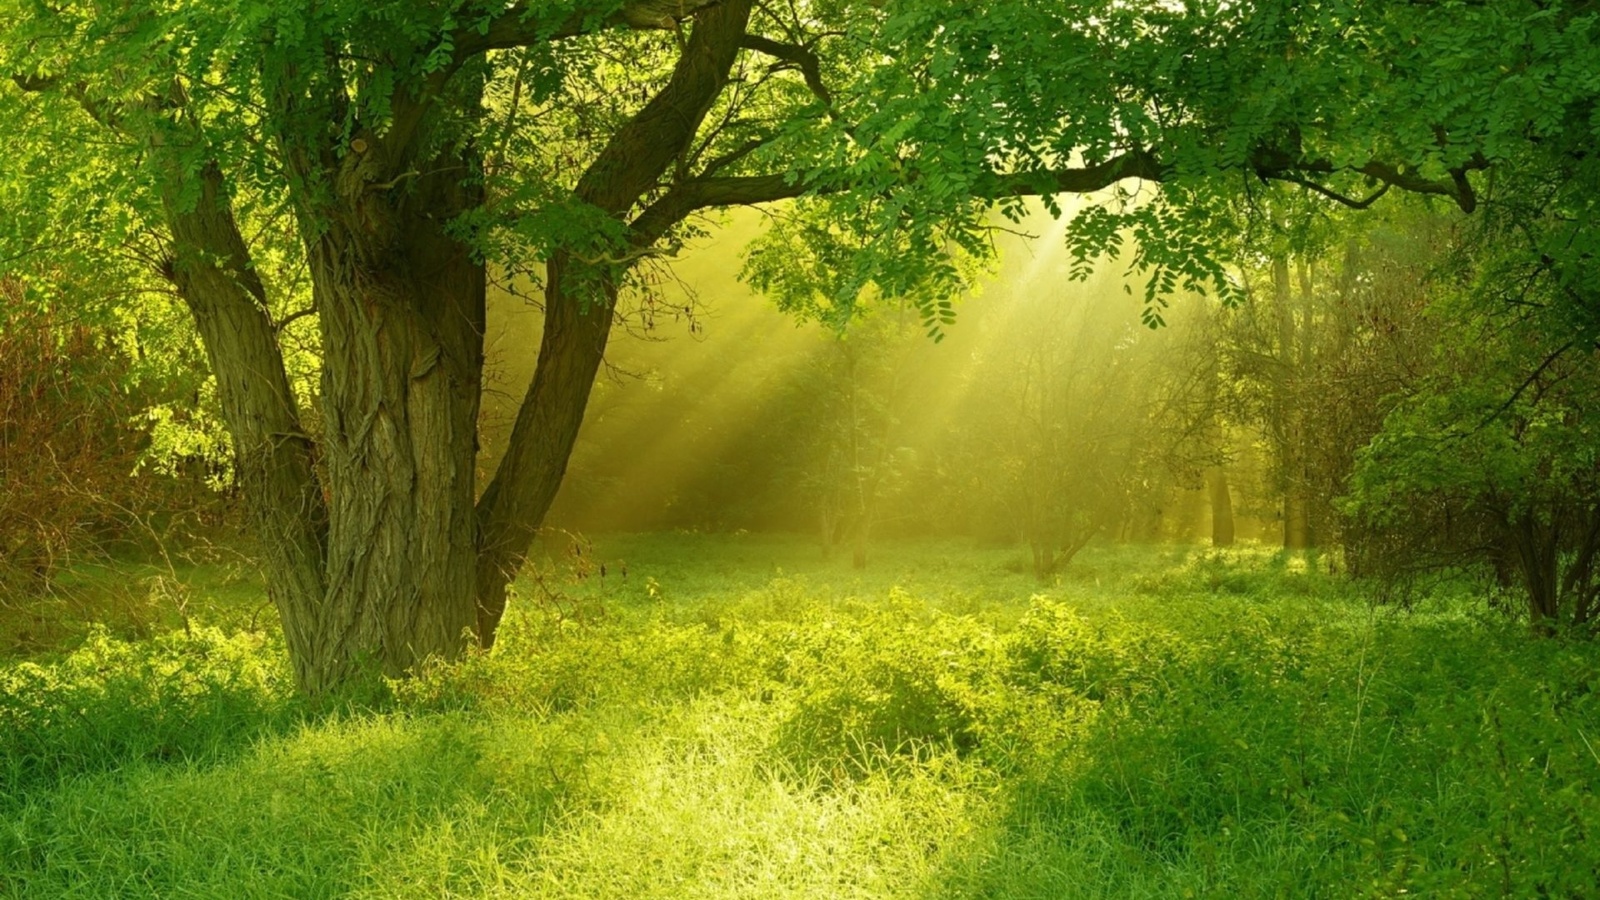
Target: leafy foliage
(73,398)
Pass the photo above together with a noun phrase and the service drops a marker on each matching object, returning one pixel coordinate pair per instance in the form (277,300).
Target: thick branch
(695,194)
(1278,165)
(527,23)
(800,57)
(579,305)
(212,271)
(749,190)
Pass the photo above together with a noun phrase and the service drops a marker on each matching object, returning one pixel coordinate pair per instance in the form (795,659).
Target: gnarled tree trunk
(401,304)
(386,559)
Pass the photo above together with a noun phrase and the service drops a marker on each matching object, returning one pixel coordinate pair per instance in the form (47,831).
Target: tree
(391,150)
(1063,418)
(1492,454)
(853,455)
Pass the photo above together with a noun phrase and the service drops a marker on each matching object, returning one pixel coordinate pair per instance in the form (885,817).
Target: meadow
(694,716)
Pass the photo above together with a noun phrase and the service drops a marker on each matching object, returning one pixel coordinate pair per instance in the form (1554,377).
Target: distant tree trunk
(1289,425)
(1296,524)
(1580,583)
(1222,526)
(825,520)
(1073,545)
(1044,562)
(1539,558)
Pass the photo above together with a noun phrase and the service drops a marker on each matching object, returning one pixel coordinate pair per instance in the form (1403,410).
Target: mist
(717,412)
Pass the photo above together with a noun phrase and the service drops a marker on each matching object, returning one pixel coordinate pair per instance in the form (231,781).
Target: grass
(736,717)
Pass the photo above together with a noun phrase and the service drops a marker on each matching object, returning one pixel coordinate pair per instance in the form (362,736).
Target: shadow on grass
(1430,759)
(318,813)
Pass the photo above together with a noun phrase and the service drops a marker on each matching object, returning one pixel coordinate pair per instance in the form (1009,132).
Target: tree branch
(800,57)
(525,23)
(686,197)
(1271,163)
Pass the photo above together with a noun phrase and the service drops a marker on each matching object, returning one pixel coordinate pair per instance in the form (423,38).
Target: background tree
(1488,459)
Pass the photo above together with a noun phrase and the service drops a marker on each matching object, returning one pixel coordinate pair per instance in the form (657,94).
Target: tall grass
(736,718)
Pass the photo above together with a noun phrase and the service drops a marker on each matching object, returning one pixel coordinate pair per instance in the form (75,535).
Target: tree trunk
(1289,417)
(580,301)
(273,457)
(1044,563)
(1578,584)
(389,561)
(578,316)
(860,537)
(1296,525)
(1222,527)
(825,523)
(402,359)
(1539,558)
(401,304)
(375,566)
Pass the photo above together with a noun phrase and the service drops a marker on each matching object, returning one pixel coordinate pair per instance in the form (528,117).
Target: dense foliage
(99,449)
(1320,275)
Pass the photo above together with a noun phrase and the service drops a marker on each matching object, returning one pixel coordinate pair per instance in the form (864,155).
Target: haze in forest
(718,412)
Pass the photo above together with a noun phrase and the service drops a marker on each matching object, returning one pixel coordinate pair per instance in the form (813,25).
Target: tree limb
(525,23)
(800,57)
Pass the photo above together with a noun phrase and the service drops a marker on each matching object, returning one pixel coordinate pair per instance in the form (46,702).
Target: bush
(885,684)
(180,697)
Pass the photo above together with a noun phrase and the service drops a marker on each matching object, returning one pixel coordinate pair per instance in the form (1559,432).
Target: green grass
(737,717)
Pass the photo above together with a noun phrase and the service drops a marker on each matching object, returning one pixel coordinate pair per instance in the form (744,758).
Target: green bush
(886,683)
(178,697)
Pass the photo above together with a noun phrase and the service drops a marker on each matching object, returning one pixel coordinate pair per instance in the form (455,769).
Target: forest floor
(733,716)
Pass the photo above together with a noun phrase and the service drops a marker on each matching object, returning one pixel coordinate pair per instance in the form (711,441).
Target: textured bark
(401,305)
(378,567)
(273,456)
(580,301)
(373,570)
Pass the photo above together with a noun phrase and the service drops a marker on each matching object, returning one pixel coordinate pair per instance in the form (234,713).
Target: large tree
(399,153)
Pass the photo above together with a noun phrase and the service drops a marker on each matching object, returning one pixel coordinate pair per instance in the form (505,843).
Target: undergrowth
(734,719)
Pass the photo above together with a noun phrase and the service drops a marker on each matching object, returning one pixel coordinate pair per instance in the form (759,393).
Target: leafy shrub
(882,684)
(551,667)
(71,402)
(180,696)
(1249,746)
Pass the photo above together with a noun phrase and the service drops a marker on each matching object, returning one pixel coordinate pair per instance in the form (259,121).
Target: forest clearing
(814,448)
